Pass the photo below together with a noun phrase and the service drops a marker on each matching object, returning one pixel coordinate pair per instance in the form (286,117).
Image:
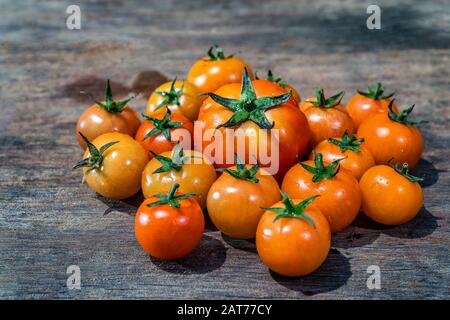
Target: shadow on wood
(128,206)
(244,245)
(427,170)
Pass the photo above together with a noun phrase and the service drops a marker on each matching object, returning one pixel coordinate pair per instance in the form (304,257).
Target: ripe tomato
(161,132)
(357,158)
(113,165)
(190,169)
(284,85)
(326,117)
(293,238)
(391,195)
(264,121)
(169,227)
(393,137)
(107,116)
(216,70)
(236,199)
(340,196)
(365,104)
(178,96)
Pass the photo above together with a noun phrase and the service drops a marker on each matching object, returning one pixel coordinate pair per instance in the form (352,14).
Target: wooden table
(49,220)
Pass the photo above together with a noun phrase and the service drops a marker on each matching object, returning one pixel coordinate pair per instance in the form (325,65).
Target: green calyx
(174,163)
(110,105)
(403,170)
(376,92)
(170,198)
(402,117)
(320,170)
(241,171)
(292,210)
(279,80)
(163,125)
(347,143)
(95,158)
(171,97)
(249,107)
(330,102)
(218,55)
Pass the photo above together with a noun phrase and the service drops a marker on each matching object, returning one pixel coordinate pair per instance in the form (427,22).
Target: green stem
(403,170)
(347,143)
(320,171)
(170,198)
(330,102)
(241,171)
(402,117)
(376,92)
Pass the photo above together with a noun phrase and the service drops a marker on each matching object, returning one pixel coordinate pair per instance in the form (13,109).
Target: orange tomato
(288,87)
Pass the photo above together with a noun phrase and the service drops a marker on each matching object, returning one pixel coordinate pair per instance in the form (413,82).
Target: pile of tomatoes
(333,162)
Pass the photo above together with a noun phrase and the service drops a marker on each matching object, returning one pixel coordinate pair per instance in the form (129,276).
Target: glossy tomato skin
(209,75)
(390,140)
(388,197)
(193,177)
(235,205)
(95,121)
(119,175)
(290,124)
(289,88)
(356,162)
(340,196)
(169,233)
(190,100)
(292,246)
(361,107)
(158,143)
(326,122)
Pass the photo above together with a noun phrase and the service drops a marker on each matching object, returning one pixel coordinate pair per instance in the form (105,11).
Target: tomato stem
(330,102)
(170,198)
(175,162)
(320,171)
(402,117)
(171,97)
(347,143)
(376,92)
(163,125)
(241,171)
(219,55)
(403,170)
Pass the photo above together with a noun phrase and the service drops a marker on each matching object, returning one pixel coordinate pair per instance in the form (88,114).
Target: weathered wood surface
(48,220)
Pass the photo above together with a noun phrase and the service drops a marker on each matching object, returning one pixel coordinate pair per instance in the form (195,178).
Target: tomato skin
(361,107)
(95,121)
(388,197)
(120,172)
(235,205)
(289,88)
(169,233)
(389,140)
(292,246)
(340,196)
(356,162)
(190,100)
(158,143)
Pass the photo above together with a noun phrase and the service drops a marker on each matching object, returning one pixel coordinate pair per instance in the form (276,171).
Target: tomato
(163,131)
(113,165)
(216,70)
(340,195)
(236,199)
(107,116)
(178,96)
(393,137)
(189,168)
(288,87)
(169,227)
(357,159)
(264,121)
(391,195)
(293,238)
(326,117)
(365,104)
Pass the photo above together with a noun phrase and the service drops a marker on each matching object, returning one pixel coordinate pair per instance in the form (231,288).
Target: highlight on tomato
(236,199)
(216,70)
(113,164)
(393,137)
(282,83)
(293,237)
(340,194)
(169,226)
(390,195)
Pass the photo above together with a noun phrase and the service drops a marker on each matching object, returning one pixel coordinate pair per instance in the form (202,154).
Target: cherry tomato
(357,159)
(365,104)
(169,227)
(340,195)
(216,70)
(163,131)
(327,118)
(264,121)
(293,238)
(107,116)
(288,87)
(113,165)
(179,96)
(189,168)
(393,137)
(236,199)
(391,195)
